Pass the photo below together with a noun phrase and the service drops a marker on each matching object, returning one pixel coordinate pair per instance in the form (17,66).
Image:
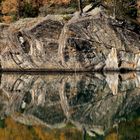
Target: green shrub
(28,10)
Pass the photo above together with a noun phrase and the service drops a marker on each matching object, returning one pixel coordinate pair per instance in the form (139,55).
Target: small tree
(80,6)
(27,10)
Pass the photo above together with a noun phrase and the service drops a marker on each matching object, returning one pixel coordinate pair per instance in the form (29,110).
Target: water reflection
(93,104)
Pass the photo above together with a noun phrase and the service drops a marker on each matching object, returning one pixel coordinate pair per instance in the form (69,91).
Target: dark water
(88,106)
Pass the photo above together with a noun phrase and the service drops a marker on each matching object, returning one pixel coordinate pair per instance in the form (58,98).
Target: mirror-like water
(70,106)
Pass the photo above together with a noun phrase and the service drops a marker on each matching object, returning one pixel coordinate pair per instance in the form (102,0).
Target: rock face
(85,100)
(88,43)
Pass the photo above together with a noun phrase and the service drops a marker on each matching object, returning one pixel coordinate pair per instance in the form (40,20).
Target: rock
(90,42)
(86,8)
(112,60)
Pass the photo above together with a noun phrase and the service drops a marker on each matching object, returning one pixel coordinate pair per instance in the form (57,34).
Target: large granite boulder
(90,42)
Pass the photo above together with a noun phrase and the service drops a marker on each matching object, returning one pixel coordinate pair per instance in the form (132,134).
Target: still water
(85,106)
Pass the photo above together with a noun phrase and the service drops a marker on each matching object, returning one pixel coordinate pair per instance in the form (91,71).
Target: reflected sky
(78,106)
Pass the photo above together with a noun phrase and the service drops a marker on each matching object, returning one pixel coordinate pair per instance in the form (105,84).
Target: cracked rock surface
(91,42)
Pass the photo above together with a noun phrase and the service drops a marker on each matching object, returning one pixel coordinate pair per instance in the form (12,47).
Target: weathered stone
(128,65)
(84,43)
(112,60)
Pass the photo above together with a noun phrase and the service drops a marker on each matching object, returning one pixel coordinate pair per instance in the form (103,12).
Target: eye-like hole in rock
(23,42)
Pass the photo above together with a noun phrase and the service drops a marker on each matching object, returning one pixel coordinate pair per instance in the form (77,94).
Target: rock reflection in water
(92,102)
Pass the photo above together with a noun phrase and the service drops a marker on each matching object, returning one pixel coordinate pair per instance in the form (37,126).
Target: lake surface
(70,106)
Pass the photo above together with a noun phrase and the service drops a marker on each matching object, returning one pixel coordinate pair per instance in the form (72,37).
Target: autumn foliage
(14,9)
(11,10)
